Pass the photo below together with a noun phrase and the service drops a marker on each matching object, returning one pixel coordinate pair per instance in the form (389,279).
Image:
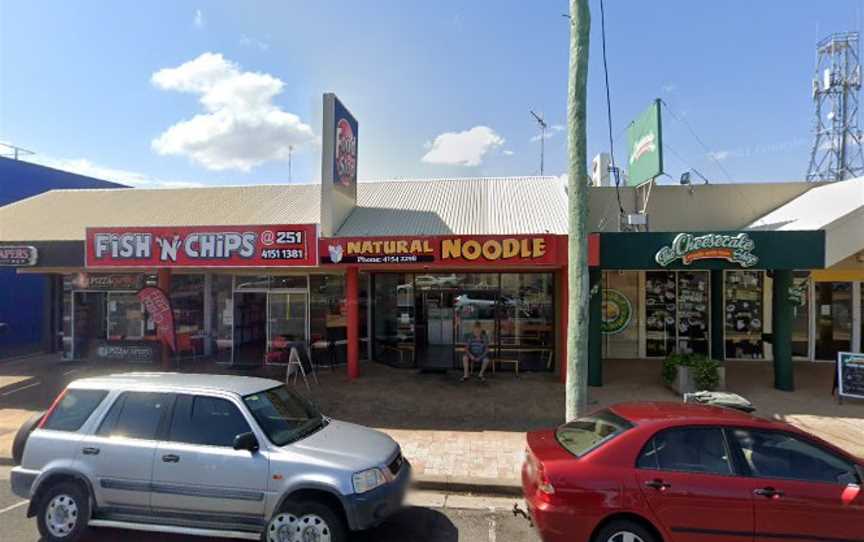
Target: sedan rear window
(585,434)
(74,409)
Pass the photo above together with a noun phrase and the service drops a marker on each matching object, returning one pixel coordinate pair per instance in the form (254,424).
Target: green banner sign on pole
(646,146)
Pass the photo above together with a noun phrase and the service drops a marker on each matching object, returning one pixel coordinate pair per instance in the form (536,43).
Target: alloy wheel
(625,536)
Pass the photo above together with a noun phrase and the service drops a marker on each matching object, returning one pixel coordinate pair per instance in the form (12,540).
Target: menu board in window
(693,312)
(660,313)
(744,314)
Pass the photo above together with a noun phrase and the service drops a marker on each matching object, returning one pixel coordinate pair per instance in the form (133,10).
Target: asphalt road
(417,524)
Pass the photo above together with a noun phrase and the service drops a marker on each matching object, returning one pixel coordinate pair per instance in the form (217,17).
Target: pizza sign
(345,158)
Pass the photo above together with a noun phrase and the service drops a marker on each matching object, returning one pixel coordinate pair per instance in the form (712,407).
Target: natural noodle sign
(712,246)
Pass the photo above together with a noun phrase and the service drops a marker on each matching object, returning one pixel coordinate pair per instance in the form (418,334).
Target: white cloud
(247,41)
(669,88)
(507,152)
(550,132)
(242,127)
(719,155)
(82,166)
(466,148)
(198,20)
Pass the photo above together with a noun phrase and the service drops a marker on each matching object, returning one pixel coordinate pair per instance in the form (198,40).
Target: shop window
(126,317)
(294,282)
(252,282)
(661,312)
(223,316)
(327,310)
(526,320)
(620,313)
(801,314)
(744,314)
(475,302)
(393,318)
(187,300)
(833,319)
(693,313)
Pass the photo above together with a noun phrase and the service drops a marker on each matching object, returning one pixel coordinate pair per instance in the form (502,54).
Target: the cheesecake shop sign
(687,247)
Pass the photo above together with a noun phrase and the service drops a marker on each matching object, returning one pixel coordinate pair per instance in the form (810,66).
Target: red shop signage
(456,250)
(203,246)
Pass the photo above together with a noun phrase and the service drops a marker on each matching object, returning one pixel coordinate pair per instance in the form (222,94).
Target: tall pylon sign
(837,153)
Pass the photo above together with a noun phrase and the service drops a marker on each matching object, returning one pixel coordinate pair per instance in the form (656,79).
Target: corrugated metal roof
(428,207)
(815,209)
(494,205)
(61,215)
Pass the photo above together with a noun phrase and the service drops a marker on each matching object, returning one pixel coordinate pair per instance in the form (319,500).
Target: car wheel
(306,522)
(63,513)
(625,531)
(22,435)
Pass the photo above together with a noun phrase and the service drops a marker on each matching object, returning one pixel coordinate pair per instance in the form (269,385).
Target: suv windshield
(283,415)
(585,434)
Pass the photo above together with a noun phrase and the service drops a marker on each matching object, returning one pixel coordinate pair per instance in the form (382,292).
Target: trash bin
(720,398)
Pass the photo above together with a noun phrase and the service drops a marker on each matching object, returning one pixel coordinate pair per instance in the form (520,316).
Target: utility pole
(576,392)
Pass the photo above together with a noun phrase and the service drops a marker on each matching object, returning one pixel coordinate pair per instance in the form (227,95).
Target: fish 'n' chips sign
(441,250)
(202,246)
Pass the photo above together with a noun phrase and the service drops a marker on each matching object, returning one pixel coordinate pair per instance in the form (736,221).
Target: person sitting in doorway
(476,351)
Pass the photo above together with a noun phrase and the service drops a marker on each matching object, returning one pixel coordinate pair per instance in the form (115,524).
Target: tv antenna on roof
(543,126)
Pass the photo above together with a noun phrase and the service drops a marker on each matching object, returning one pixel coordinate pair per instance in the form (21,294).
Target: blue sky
(439,88)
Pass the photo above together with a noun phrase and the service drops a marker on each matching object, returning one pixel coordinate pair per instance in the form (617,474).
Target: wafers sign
(18,256)
(203,246)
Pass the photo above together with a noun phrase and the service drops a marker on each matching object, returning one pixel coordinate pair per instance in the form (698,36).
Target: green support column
(718,306)
(595,336)
(784,375)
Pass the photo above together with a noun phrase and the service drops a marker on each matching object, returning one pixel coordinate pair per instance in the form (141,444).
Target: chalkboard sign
(850,375)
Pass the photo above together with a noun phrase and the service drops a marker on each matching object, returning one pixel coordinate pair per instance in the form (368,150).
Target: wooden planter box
(684,383)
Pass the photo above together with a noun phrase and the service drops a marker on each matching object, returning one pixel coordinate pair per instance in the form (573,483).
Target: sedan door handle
(90,451)
(171,458)
(657,484)
(768,492)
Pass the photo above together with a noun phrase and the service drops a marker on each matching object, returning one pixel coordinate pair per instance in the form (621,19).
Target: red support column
(563,311)
(353,306)
(163,281)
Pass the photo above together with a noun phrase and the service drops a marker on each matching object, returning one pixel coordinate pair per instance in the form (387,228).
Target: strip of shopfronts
(729,295)
(240,294)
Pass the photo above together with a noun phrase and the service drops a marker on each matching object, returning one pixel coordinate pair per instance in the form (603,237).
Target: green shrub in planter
(704,370)
(706,373)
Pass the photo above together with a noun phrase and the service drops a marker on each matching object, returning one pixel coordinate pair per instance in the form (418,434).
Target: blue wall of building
(25,299)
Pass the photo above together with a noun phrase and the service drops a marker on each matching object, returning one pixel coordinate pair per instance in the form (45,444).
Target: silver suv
(204,454)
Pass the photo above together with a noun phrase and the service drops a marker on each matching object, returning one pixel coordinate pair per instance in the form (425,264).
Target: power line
(609,109)
(707,150)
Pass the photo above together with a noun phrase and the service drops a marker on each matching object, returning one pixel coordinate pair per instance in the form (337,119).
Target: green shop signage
(754,249)
(617,312)
(712,246)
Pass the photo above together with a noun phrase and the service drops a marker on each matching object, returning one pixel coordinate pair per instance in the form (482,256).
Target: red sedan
(674,472)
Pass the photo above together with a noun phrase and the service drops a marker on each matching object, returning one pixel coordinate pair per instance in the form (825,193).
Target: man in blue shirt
(476,350)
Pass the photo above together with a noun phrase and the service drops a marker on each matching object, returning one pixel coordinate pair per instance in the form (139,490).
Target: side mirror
(246,441)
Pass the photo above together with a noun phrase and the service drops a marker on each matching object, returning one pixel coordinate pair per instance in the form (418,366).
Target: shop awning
(837,208)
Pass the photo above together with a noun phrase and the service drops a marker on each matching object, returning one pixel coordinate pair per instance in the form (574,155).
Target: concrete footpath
(470,437)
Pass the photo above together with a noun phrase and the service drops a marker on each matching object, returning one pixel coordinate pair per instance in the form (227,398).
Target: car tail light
(52,408)
(543,484)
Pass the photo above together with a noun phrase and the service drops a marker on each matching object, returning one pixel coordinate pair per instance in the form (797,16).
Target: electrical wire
(708,151)
(609,109)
